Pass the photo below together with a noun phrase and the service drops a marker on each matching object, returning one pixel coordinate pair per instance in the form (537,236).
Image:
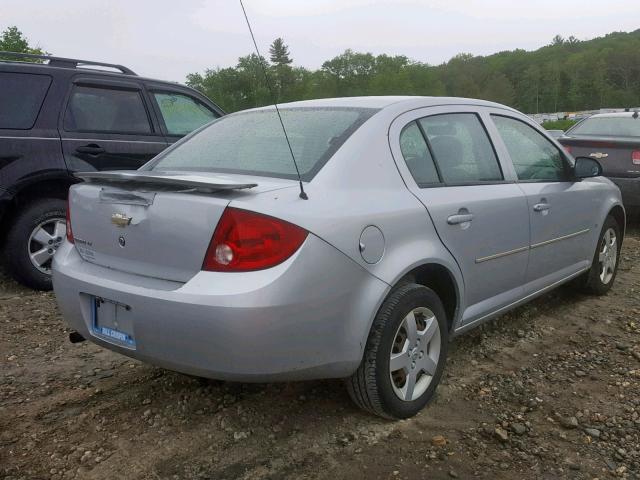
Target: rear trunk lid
(615,154)
(157,227)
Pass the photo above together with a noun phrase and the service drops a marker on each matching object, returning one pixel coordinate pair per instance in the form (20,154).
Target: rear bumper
(630,189)
(306,318)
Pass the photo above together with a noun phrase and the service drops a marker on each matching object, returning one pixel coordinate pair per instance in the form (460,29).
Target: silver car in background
(425,217)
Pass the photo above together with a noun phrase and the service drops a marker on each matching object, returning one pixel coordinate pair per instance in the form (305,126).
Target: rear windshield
(608,126)
(253,143)
(21,96)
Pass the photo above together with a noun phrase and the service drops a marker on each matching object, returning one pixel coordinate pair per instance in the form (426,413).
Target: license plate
(113,321)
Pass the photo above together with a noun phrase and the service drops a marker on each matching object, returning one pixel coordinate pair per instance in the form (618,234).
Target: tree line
(566,75)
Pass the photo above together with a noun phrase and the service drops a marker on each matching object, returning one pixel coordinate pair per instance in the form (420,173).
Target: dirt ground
(551,390)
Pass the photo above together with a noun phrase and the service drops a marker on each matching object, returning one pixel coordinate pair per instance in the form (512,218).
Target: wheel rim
(414,354)
(608,256)
(44,241)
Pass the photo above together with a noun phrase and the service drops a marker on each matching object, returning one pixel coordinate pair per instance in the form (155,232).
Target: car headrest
(447,149)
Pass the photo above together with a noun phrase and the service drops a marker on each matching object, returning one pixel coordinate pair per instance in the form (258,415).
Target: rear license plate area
(112,321)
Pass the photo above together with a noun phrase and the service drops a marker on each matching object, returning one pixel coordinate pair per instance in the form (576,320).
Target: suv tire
(33,231)
(377,388)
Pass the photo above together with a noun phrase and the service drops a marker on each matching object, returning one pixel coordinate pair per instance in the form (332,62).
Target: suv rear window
(21,96)
(253,143)
(94,109)
(608,126)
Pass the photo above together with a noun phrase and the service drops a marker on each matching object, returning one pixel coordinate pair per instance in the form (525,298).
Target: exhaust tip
(75,337)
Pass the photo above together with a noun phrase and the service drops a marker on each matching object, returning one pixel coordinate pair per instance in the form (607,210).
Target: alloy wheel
(44,242)
(415,354)
(608,256)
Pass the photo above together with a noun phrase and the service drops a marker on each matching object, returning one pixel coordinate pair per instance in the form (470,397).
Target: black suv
(65,116)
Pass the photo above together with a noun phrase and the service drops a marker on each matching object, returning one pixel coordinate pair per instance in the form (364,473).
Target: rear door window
(106,110)
(182,114)
(534,157)
(461,148)
(21,97)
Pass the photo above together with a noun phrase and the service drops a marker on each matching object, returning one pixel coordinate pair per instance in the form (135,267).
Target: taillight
(567,148)
(635,157)
(69,231)
(244,241)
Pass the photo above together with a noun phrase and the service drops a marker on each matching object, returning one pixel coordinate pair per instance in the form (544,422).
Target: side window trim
(444,183)
(440,182)
(106,85)
(565,161)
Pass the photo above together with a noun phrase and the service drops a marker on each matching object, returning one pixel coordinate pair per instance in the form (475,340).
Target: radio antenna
(303,194)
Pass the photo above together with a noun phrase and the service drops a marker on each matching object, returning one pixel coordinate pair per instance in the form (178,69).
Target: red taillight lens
(635,157)
(246,241)
(69,231)
(567,148)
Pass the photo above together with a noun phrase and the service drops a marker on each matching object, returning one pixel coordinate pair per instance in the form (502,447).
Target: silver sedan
(420,219)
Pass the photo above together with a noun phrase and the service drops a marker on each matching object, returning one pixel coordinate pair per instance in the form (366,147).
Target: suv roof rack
(67,62)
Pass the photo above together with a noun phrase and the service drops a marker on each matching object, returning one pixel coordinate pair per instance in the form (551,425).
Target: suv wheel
(35,235)
(405,354)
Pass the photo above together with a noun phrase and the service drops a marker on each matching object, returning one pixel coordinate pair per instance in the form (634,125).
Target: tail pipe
(75,337)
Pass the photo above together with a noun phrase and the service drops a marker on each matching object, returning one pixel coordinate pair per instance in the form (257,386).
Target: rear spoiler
(183,181)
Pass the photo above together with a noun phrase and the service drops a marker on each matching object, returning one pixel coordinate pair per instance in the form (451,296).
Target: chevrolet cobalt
(420,219)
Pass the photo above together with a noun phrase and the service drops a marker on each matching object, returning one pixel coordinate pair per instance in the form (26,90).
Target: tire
(45,214)
(376,388)
(594,281)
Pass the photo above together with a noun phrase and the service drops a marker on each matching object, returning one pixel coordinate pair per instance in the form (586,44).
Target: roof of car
(380,102)
(613,114)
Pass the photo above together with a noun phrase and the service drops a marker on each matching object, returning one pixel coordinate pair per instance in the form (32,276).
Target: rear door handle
(460,218)
(91,149)
(541,207)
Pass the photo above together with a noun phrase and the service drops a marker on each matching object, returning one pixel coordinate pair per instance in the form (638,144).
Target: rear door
(107,125)
(479,213)
(560,208)
(29,144)
(180,111)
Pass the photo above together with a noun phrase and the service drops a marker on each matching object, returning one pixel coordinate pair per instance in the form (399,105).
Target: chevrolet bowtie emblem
(598,155)
(120,219)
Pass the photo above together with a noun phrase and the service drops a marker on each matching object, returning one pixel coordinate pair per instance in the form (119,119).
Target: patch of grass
(558,124)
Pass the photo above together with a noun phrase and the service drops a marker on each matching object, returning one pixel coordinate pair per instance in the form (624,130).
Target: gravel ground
(551,390)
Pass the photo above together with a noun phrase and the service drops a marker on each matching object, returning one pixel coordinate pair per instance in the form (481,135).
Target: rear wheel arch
(28,192)
(442,281)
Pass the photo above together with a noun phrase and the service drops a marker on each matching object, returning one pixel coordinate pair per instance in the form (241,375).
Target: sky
(169,39)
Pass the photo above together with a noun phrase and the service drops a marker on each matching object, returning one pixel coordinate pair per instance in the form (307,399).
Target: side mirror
(586,167)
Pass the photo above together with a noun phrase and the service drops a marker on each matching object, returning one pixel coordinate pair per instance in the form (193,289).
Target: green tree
(565,75)
(498,88)
(12,40)
(279,52)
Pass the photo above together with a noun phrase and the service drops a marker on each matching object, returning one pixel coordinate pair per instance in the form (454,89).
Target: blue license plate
(113,321)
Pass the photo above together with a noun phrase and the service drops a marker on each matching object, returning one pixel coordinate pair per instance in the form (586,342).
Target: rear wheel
(599,279)
(33,239)
(405,354)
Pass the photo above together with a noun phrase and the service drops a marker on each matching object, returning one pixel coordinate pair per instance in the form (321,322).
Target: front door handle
(460,218)
(541,207)
(91,149)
